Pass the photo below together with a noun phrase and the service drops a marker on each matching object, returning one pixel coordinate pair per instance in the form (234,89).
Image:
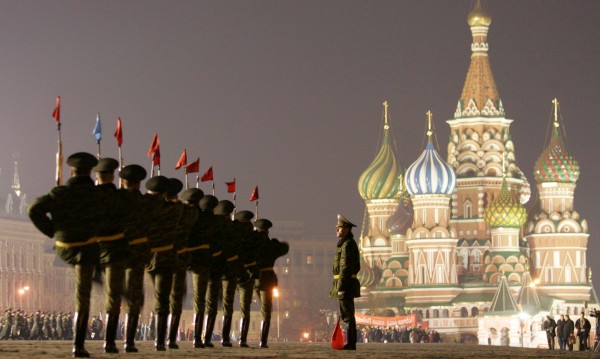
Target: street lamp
(276,295)
(22,292)
(522,318)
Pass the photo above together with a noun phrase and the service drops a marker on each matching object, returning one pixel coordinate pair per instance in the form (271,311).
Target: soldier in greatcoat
(346,287)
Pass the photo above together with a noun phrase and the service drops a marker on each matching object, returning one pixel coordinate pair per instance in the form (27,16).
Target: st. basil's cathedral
(451,241)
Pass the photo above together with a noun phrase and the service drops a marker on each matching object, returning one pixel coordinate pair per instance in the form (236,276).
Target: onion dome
(478,16)
(368,276)
(555,164)
(505,211)
(399,222)
(383,178)
(429,174)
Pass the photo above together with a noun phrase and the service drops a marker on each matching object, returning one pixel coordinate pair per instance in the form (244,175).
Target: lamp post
(276,295)
(522,318)
(22,292)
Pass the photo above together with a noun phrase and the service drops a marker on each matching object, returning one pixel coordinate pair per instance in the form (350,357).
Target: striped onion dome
(429,174)
(383,178)
(555,164)
(505,211)
(368,276)
(402,219)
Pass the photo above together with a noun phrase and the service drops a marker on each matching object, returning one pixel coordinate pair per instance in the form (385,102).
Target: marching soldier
(243,228)
(230,245)
(198,249)
(70,214)
(268,250)
(178,288)
(212,285)
(114,248)
(162,233)
(346,286)
(139,254)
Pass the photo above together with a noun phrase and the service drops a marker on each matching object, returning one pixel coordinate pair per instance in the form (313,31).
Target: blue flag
(97,132)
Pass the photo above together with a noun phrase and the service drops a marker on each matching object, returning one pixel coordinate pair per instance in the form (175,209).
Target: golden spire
(385,115)
(429,126)
(555,102)
(478,16)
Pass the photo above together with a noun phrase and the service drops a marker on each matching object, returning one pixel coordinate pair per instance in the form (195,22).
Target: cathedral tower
(556,234)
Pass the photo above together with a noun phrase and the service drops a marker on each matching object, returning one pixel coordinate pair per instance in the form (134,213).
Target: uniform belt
(249,264)
(75,244)
(216,254)
(266,269)
(162,249)
(231,259)
(337,276)
(114,237)
(203,246)
(182,250)
(138,241)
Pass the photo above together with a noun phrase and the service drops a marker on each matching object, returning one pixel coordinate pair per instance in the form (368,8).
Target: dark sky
(287,95)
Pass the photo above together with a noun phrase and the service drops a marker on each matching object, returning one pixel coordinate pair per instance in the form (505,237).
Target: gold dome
(478,16)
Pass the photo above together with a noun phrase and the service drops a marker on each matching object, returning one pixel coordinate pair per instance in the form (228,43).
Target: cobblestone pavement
(60,349)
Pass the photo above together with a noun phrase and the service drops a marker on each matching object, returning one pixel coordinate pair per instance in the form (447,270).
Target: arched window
(468,207)
(474,311)
(464,312)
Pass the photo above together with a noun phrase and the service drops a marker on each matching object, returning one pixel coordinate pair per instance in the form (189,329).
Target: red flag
(337,337)
(119,132)
(182,160)
(154,146)
(231,186)
(193,167)
(208,175)
(254,196)
(56,113)
(156,158)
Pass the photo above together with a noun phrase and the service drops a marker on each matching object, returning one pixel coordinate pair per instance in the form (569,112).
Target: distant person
(559,332)
(583,327)
(568,329)
(346,287)
(550,327)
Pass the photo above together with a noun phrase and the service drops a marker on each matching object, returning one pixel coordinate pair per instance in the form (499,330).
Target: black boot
(81,322)
(131,323)
(198,324)
(351,341)
(111,333)
(210,326)
(161,332)
(226,342)
(173,331)
(244,326)
(264,333)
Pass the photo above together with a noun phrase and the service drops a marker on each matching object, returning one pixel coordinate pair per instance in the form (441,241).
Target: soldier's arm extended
(38,212)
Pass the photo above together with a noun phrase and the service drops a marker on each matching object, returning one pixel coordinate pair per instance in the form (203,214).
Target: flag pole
(197,181)
(213,188)
(256,215)
(99,152)
(59,158)
(186,180)
(152,168)
(158,170)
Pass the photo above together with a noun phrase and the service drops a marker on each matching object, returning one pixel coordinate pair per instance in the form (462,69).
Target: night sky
(287,95)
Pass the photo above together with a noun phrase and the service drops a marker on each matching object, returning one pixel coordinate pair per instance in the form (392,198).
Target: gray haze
(287,95)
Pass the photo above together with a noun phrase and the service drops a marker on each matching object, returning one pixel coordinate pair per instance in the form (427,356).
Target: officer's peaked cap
(225,207)
(208,202)
(343,222)
(133,173)
(158,184)
(244,216)
(82,160)
(192,195)
(263,224)
(175,186)
(106,165)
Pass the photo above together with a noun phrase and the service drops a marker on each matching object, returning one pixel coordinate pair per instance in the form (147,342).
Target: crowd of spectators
(398,335)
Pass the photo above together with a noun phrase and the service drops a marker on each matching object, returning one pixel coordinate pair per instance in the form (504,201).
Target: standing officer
(114,248)
(268,250)
(162,235)
(244,229)
(70,214)
(179,288)
(346,287)
(139,254)
(212,285)
(583,327)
